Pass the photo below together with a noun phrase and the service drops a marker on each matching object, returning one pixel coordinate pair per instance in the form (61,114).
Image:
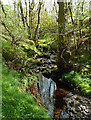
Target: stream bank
(46,64)
(61,98)
(61,103)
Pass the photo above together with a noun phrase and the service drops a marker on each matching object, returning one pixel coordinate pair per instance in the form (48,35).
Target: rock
(53,61)
(77,97)
(84,113)
(72,103)
(73,110)
(74,96)
(86,110)
(83,107)
(77,109)
(69,94)
(64,115)
(78,106)
(71,114)
(52,56)
(43,68)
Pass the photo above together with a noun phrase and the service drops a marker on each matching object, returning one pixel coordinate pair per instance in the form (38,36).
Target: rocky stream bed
(69,104)
(78,106)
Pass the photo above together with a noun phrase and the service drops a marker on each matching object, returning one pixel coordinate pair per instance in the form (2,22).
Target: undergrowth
(80,80)
(16,103)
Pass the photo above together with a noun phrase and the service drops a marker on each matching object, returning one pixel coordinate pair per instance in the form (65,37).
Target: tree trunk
(15,8)
(29,28)
(69,6)
(81,21)
(63,56)
(32,17)
(26,16)
(22,14)
(18,13)
(26,10)
(61,44)
(38,20)
(89,41)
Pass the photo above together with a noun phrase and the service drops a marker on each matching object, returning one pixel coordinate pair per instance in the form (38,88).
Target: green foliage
(48,43)
(16,103)
(48,25)
(21,34)
(29,47)
(5,38)
(81,81)
(8,52)
(44,42)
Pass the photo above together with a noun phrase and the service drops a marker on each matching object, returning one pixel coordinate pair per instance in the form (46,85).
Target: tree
(81,19)
(22,13)
(61,23)
(63,55)
(36,29)
(69,6)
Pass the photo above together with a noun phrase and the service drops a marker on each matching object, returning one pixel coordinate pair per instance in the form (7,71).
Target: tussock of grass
(79,80)
(16,104)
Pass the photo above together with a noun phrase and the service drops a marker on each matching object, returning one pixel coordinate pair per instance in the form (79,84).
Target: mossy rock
(31,53)
(8,52)
(37,62)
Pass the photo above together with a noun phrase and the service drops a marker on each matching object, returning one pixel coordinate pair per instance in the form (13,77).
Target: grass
(81,81)
(17,104)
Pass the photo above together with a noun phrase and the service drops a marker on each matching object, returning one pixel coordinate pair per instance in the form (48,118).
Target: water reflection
(46,88)
(59,108)
(52,97)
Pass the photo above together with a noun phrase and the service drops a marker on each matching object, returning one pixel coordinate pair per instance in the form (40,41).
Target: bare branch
(3,9)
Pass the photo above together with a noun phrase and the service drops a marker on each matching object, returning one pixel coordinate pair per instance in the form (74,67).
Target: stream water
(46,88)
(61,103)
(51,97)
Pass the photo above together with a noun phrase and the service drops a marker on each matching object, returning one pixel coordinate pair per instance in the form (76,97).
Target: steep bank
(16,103)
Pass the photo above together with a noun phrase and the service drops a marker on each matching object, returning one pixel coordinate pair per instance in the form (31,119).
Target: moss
(8,52)
(37,62)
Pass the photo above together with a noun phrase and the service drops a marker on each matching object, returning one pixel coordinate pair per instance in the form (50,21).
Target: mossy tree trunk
(63,55)
(61,44)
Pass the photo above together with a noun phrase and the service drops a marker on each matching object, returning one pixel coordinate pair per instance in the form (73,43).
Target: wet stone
(86,111)
(73,110)
(69,94)
(77,109)
(78,106)
(71,114)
